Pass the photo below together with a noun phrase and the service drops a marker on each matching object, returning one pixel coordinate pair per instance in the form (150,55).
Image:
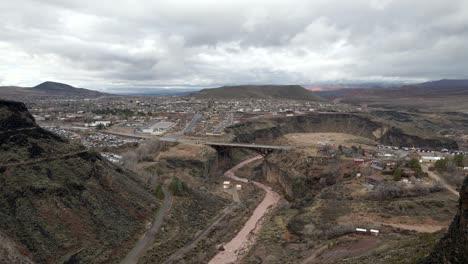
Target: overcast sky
(149,43)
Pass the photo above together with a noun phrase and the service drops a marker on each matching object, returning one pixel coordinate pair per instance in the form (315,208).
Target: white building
(97,123)
(158,128)
(430,159)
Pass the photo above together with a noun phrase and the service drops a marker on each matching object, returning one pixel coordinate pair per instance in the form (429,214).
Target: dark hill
(292,92)
(453,247)
(56,88)
(59,202)
(445,83)
(444,95)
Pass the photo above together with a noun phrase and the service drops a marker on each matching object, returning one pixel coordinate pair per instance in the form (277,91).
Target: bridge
(262,149)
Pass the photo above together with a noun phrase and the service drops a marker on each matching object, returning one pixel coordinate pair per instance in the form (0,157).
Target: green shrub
(178,187)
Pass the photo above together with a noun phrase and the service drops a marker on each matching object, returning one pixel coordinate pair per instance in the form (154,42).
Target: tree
(441,165)
(458,160)
(100,126)
(158,192)
(397,174)
(178,187)
(414,164)
(340,149)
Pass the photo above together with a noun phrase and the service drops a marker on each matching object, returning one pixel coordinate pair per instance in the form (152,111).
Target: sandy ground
(240,244)
(314,139)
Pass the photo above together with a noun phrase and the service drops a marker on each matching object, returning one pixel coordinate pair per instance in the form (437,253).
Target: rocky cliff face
(267,130)
(453,247)
(15,115)
(195,160)
(59,202)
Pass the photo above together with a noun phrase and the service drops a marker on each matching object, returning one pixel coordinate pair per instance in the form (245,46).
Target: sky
(117,44)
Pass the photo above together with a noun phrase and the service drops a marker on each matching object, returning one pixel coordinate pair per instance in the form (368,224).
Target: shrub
(158,192)
(178,187)
(387,191)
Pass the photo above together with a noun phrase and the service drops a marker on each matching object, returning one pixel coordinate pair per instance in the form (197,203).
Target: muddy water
(235,249)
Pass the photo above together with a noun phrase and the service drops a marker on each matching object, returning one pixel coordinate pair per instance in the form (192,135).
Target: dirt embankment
(261,131)
(194,160)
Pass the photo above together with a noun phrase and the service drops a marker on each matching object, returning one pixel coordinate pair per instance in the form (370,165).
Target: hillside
(453,247)
(46,89)
(56,88)
(292,92)
(447,95)
(59,202)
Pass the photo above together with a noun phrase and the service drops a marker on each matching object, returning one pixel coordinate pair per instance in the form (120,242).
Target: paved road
(192,123)
(147,240)
(436,177)
(235,249)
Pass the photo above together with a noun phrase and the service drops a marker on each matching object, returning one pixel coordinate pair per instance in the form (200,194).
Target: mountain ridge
(292,92)
(48,88)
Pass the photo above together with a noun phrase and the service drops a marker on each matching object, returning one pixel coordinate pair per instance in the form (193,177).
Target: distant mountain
(292,92)
(445,83)
(47,89)
(442,94)
(56,88)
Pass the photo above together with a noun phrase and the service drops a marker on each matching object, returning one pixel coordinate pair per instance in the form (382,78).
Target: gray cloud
(127,43)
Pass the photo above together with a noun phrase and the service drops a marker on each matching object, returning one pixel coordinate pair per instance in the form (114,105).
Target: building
(97,123)
(430,159)
(358,161)
(375,179)
(158,128)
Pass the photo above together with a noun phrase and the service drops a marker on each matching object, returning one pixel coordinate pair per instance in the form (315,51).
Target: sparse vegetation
(386,191)
(178,187)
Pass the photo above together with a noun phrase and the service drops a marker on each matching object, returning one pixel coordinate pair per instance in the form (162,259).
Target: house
(358,161)
(375,179)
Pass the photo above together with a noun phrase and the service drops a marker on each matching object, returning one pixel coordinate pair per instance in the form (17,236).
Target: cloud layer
(127,43)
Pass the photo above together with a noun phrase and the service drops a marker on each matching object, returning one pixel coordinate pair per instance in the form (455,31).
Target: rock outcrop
(59,202)
(453,247)
(197,160)
(262,131)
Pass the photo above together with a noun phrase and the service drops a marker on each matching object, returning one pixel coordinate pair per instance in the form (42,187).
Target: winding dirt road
(147,240)
(235,249)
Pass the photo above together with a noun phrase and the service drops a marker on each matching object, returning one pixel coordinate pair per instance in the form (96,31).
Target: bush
(158,192)
(178,187)
(397,174)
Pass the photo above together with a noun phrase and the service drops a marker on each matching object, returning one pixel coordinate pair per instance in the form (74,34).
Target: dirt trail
(239,245)
(436,177)
(147,240)
(200,235)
